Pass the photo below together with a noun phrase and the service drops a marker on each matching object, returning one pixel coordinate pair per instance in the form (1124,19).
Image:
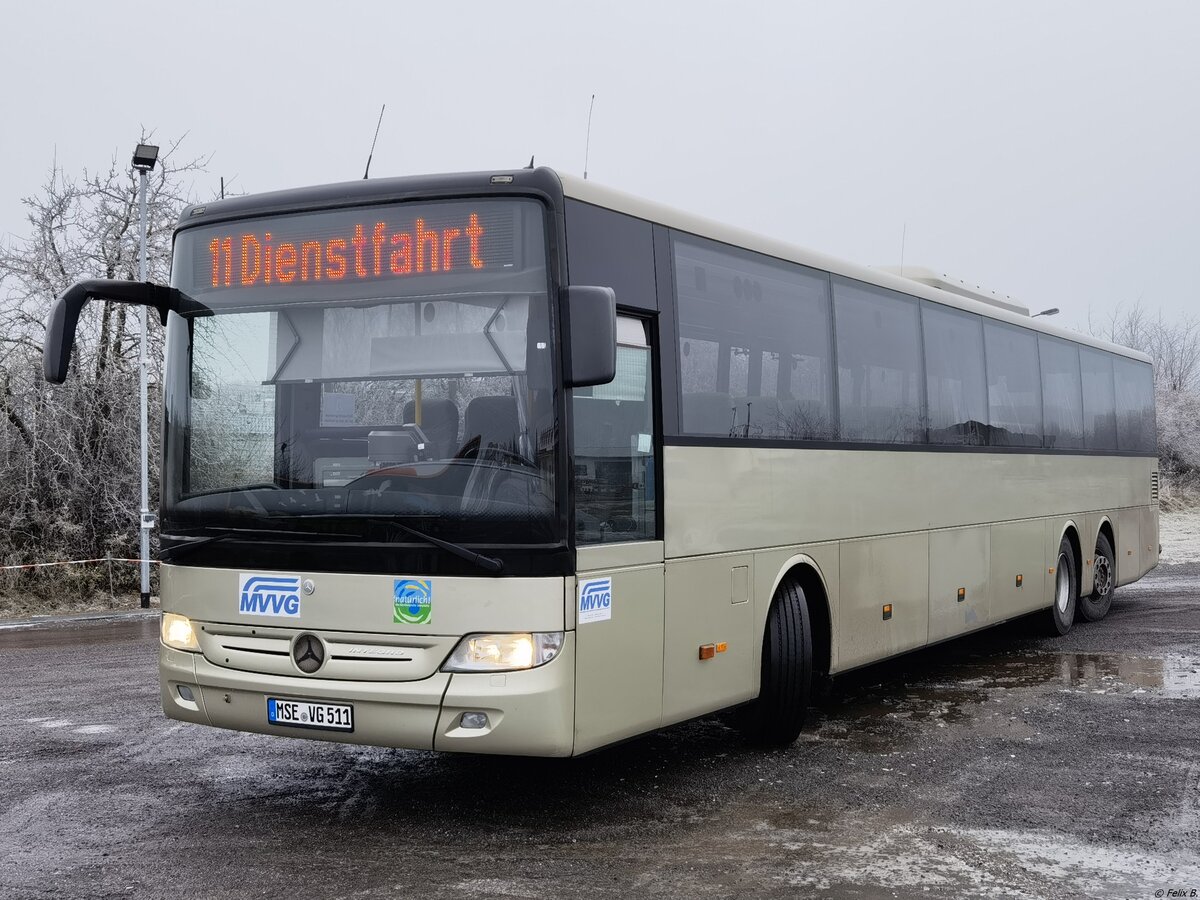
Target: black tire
(776,718)
(1096,605)
(1066,591)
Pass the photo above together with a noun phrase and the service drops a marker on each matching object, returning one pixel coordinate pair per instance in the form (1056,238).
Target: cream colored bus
(511,463)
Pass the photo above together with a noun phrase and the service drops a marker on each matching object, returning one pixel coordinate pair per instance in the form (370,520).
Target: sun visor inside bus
(449,354)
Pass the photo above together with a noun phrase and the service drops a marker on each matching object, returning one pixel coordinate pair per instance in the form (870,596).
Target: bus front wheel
(1095,607)
(776,717)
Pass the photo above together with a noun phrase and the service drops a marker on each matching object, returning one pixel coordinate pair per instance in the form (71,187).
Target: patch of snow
(1179,533)
(978,862)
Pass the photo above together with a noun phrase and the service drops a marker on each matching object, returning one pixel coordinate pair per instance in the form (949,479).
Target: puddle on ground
(1096,673)
(75,635)
(947,694)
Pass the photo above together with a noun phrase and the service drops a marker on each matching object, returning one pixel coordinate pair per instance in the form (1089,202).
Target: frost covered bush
(69,483)
(1179,448)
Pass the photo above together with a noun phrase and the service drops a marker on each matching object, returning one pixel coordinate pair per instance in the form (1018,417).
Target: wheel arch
(807,573)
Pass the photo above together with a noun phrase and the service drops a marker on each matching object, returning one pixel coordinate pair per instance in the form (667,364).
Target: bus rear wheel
(776,718)
(1066,591)
(1095,607)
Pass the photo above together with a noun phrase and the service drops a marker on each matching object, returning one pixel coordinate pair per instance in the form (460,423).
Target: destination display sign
(363,245)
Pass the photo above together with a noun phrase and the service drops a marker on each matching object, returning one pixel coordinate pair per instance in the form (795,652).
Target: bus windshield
(336,369)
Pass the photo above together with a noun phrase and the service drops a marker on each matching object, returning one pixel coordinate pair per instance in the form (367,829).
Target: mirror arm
(158,297)
(64,315)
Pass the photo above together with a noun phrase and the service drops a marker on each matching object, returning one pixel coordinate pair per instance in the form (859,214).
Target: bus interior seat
(439,421)
(707,413)
(494,421)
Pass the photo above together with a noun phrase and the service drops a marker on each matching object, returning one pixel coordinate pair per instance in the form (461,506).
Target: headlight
(177,632)
(503,652)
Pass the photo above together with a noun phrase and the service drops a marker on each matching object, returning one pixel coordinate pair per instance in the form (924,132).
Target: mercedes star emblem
(309,653)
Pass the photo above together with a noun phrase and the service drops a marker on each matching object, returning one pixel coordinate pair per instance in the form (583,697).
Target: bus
(509,462)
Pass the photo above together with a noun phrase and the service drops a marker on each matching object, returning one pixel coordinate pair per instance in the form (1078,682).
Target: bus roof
(619,201)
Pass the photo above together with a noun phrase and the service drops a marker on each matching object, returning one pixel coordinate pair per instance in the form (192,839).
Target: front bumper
(530,712)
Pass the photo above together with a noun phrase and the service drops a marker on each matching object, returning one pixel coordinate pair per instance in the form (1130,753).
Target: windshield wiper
(487,563)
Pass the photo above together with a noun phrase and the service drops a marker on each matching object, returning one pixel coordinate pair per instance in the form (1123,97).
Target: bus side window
(614,448)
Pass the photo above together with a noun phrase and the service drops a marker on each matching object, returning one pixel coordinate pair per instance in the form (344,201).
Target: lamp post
(1053,311)
(144,158)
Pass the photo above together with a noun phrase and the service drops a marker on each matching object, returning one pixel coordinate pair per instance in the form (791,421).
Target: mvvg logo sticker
(412,602)
(595,600)
(269,595)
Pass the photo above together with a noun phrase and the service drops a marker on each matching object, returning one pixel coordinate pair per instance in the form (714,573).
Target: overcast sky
(1049,150)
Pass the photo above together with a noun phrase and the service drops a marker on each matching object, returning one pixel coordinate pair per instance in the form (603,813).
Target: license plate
(310,714)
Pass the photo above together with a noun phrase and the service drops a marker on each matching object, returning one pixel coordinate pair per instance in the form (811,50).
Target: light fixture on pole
(1052,311)
(144,158)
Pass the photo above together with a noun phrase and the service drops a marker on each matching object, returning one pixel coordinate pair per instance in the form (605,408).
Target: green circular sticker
(412,601)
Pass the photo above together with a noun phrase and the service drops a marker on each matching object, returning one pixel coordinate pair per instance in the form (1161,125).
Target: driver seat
(494,421)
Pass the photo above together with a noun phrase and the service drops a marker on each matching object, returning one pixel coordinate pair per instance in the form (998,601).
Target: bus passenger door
(618,596)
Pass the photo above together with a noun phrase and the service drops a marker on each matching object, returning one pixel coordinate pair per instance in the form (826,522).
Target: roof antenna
(372,153)
(530,166)
(588,143)
(903,235)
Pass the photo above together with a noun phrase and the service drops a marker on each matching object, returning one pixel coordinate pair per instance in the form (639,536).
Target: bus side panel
(876,572)
(1129,544)
(708,602)
(619,672)
(1019,549)
(958,560)
(1149,538)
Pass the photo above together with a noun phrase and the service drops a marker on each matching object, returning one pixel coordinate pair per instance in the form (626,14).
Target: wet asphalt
(999,765)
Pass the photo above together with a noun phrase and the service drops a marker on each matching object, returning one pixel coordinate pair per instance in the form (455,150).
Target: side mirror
(592,313)
(64,315)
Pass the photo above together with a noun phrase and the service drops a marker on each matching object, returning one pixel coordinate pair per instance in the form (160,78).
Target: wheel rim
(1103,576)
(1062,584)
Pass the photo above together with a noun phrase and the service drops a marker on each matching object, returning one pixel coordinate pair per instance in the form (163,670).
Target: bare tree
(68,455)
(1173,345)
